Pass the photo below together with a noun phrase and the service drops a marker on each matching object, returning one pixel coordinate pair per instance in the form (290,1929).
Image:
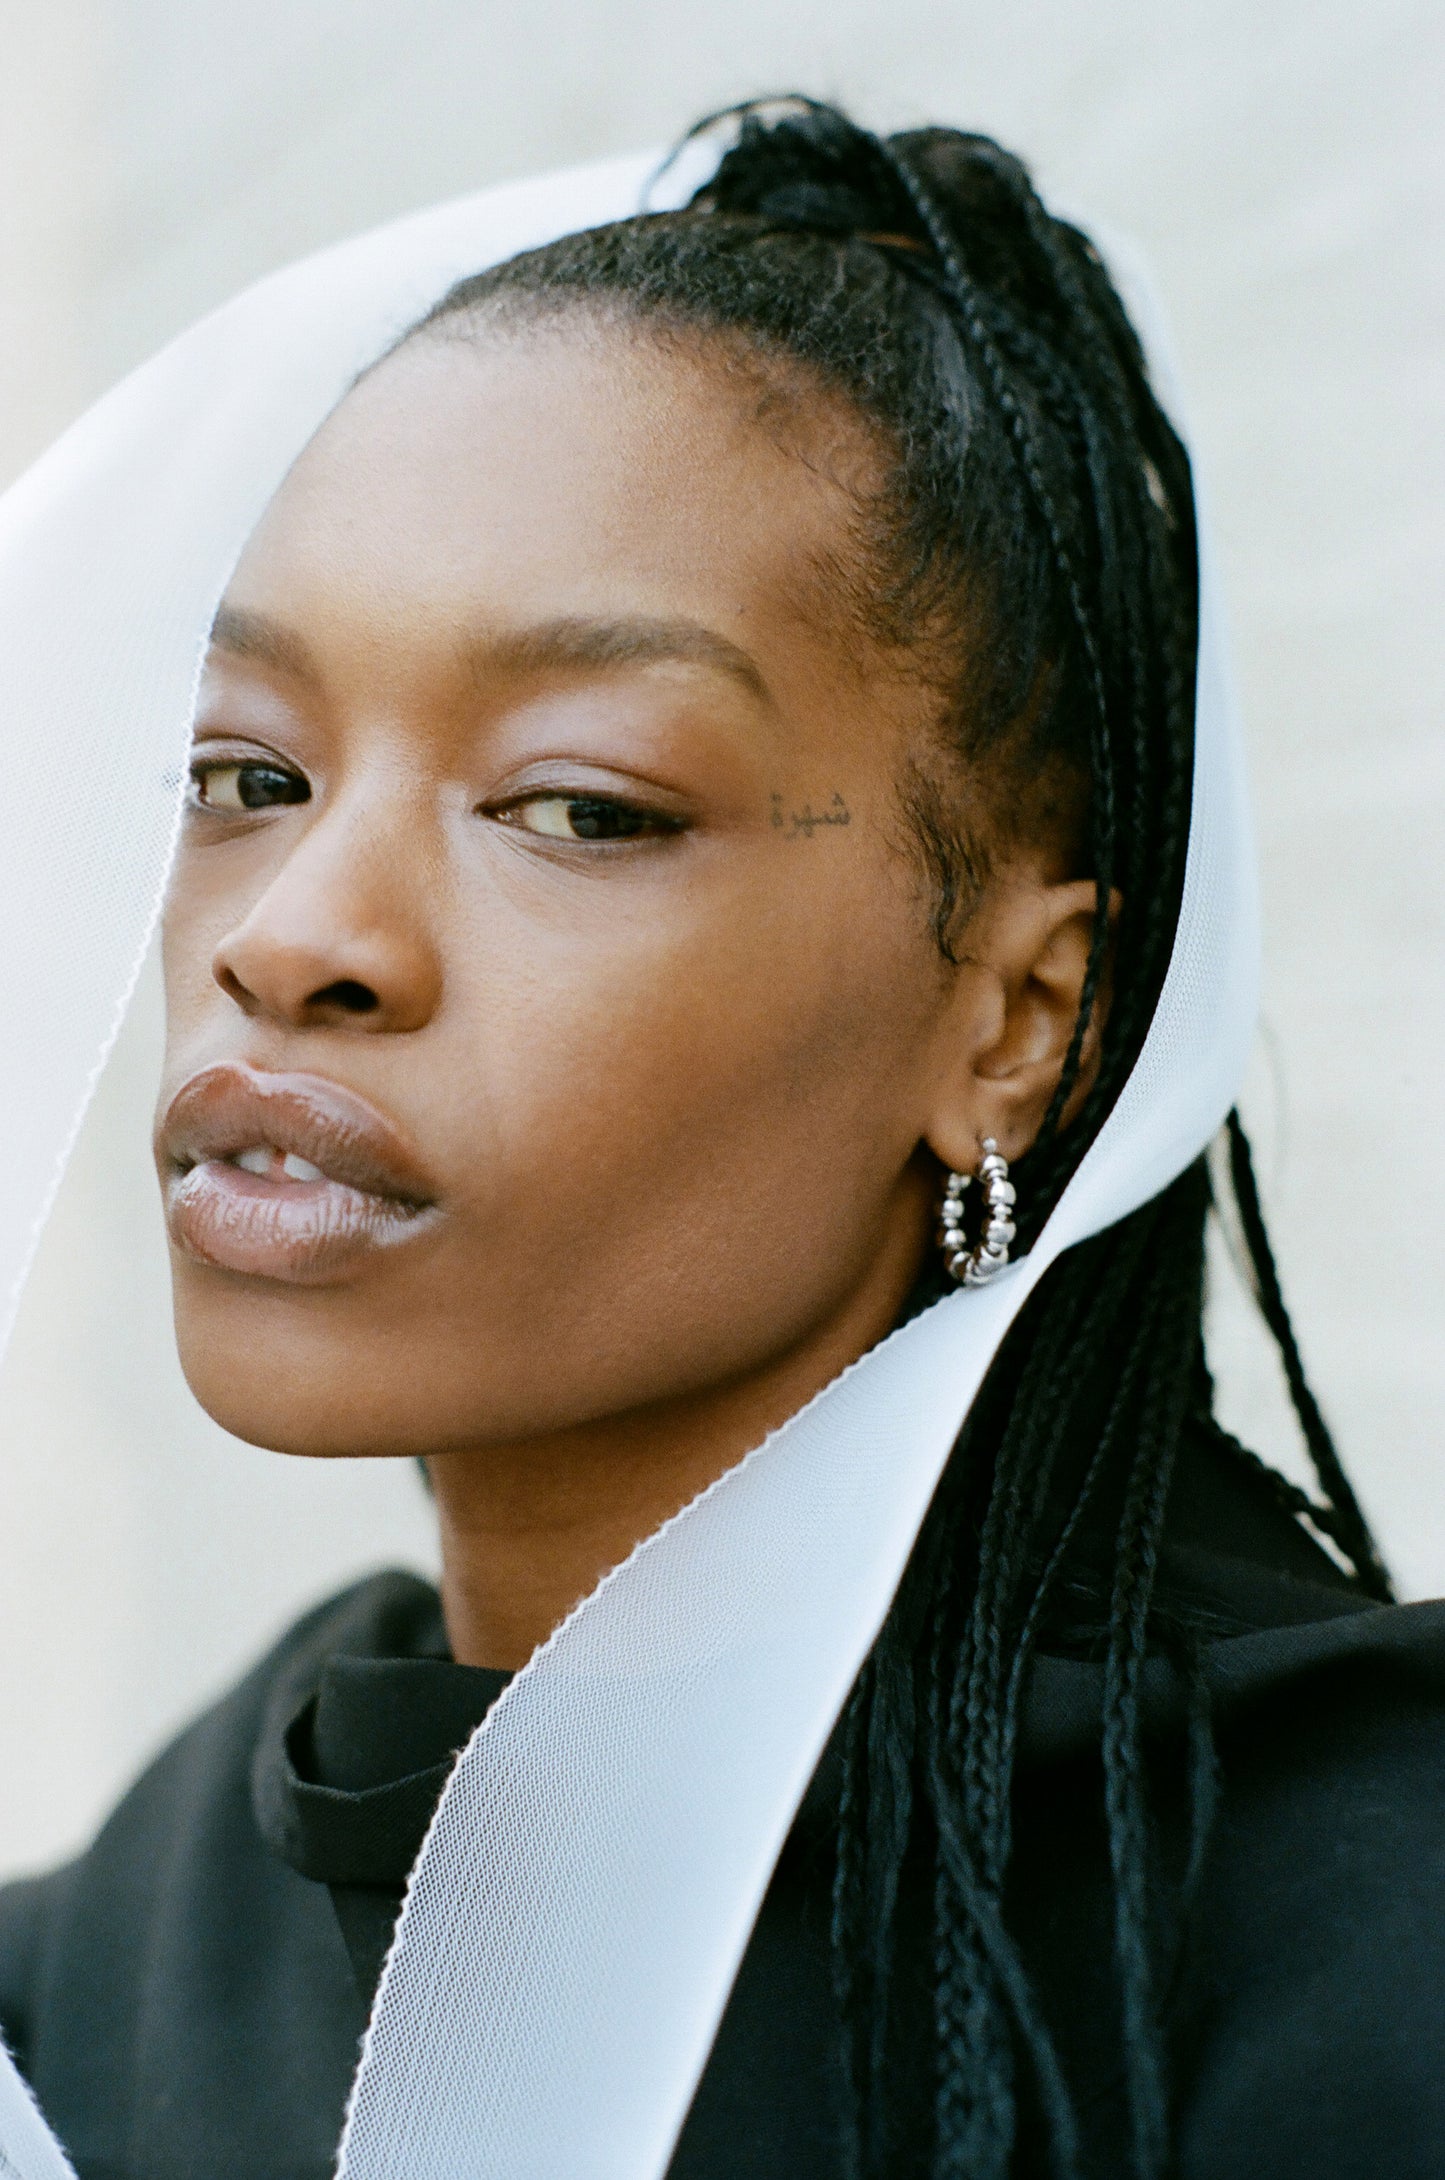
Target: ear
(1028,950)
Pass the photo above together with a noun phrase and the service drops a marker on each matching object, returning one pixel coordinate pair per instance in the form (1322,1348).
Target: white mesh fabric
(590,1879)
(114,550)
(28,2150)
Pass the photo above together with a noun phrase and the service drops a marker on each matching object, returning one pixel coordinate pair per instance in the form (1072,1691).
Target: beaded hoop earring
(974,1267)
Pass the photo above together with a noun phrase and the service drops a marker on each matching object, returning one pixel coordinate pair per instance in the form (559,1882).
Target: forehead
(564,468)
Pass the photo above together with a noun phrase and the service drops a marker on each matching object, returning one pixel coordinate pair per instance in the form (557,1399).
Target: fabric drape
(587,1886)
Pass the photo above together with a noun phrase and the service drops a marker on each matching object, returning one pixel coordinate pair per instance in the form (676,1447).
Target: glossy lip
(372,1193)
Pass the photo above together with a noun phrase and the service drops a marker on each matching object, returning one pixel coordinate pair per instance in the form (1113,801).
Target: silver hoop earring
(976,1266)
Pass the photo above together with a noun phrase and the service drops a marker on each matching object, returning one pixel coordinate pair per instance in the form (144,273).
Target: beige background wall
(1285,169)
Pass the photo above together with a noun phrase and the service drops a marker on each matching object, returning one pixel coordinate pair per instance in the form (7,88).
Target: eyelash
(633,821)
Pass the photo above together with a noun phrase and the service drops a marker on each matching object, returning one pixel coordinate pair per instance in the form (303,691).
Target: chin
(285,1416)
(320,1374)
(295,1380)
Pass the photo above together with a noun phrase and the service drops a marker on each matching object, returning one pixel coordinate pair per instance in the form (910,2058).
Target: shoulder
(1234,1545)
(1319,1989)
(184,1827)
(1307,1991)
(25,1909)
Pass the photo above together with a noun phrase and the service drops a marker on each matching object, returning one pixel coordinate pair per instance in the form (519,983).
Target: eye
(586,817)
(246,783)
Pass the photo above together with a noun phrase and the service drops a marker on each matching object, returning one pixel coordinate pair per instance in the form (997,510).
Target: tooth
(256,1160)
(300,1169)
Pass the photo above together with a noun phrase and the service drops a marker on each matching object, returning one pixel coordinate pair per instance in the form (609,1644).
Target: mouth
(286,1176)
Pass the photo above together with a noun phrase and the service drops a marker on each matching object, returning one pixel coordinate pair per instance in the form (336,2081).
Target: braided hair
(1031,543)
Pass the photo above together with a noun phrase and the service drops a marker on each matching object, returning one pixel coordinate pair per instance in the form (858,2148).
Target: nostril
(346,993)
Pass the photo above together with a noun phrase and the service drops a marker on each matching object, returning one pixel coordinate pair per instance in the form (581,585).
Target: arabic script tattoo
(807,820)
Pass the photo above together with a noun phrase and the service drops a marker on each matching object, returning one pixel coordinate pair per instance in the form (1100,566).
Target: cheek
(208,895)
(192,924)
(684,1137)
(637,1036)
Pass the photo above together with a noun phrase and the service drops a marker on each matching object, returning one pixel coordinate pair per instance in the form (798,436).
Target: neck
(529,1529)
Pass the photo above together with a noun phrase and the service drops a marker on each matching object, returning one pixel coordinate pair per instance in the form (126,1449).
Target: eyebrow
(569,643)
(633,640)
(256,636)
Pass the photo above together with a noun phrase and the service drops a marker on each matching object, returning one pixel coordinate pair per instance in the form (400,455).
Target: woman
(690,798)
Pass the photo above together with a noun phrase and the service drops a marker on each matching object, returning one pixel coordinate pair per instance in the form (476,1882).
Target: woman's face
(554,1019)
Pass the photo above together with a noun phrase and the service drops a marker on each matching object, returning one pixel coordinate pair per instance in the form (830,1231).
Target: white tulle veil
(591,1877)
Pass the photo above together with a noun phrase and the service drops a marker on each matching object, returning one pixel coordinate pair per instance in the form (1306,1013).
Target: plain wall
(1284,169)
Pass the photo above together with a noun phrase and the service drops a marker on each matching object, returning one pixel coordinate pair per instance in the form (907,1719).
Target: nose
(341,937)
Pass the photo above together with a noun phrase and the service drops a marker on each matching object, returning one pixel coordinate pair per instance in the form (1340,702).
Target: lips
(286,1177)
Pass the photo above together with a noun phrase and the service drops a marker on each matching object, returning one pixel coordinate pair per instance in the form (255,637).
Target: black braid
(1166,1397)
(1033,546)
(1344,1521)
(974,318)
